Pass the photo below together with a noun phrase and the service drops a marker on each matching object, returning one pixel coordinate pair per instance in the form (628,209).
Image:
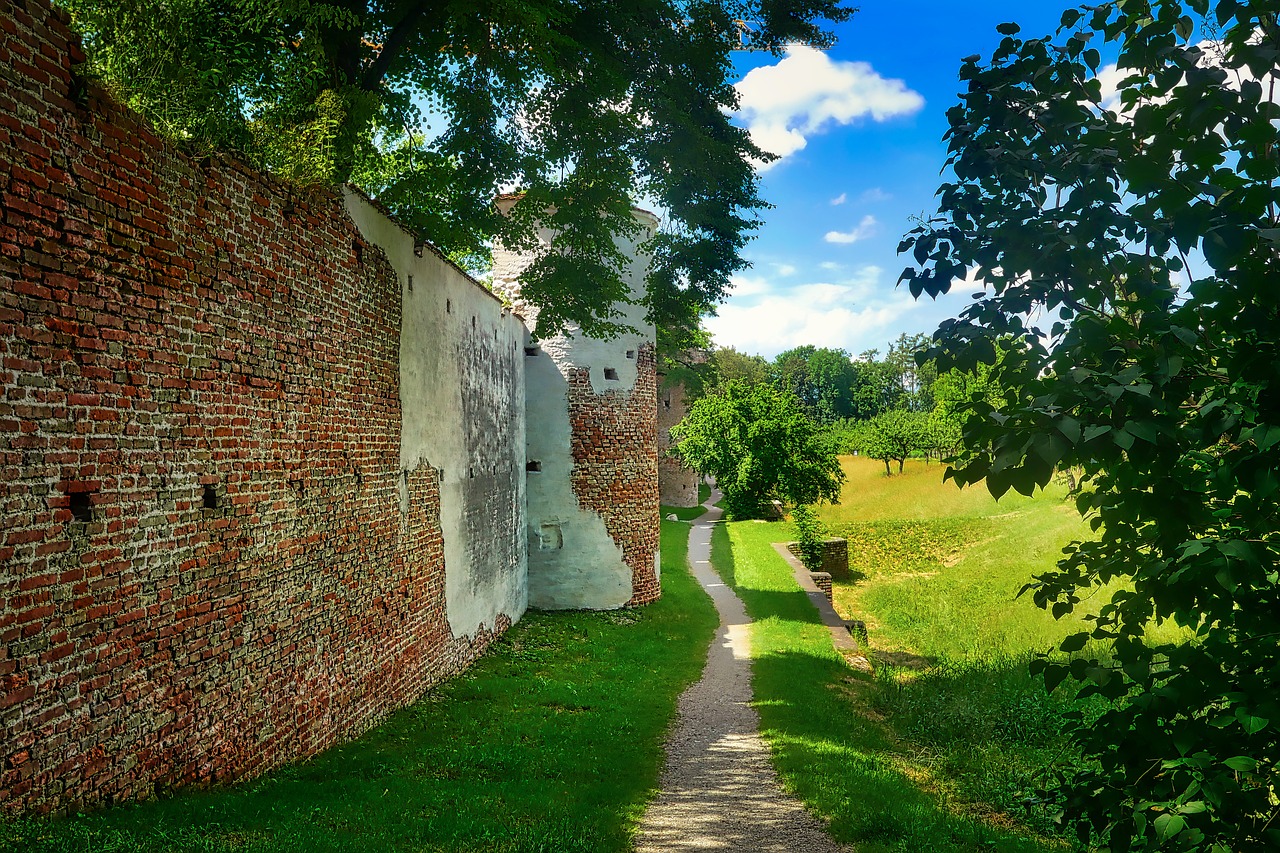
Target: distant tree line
(889,407)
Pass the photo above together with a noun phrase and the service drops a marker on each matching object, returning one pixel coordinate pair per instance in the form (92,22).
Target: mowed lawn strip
(866,752)
(551,742)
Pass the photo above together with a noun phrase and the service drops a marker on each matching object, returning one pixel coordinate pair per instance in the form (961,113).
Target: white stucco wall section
(461,362)
(573,561)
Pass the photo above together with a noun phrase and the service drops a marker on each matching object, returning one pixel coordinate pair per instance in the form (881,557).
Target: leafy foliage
(759,446)
(821,379)
(893,436)
(810,534)
(586,107)
(1144,236)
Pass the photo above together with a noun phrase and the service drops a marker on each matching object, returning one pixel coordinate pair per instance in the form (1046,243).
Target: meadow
(943,745)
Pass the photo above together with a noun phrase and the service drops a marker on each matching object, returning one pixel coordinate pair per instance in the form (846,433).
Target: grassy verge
(689,513)
(683,513)
(838,742)
(551,742)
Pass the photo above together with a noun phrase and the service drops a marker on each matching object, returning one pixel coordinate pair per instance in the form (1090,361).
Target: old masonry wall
(261,462)
(592,449)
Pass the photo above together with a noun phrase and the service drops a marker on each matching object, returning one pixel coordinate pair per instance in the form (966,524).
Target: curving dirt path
(719,789)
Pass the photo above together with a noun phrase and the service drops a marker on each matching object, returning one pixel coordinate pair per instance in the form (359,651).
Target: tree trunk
(887,472)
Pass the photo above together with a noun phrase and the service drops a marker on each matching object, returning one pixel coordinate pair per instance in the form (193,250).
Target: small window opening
(631,353)
(550,537)
(533,465)
(473,321)
(358,248)
(359,478)
(411,284)
(417,247)
(610,373)
(81,506)
(531,351)
(666,404)
(471,472)
(288,210)
(210,496)
(448,306)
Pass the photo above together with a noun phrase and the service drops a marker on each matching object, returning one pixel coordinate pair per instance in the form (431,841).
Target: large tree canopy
(434,106)
(759,445)
(1131,245)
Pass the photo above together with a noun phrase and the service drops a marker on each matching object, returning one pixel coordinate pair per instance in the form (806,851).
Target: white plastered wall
(573,561)
(462,399)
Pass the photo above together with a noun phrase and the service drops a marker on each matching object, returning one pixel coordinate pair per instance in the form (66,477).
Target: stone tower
(677,485)
(592,453)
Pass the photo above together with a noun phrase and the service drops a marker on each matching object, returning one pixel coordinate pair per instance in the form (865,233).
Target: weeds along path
(719,788)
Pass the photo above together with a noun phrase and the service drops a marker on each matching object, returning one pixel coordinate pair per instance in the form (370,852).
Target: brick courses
(615,465)
(677,485)
(205,568)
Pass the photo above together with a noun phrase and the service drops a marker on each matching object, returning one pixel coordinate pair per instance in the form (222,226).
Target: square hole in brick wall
(610,373)
(533,466)
(81,505)
(210,496)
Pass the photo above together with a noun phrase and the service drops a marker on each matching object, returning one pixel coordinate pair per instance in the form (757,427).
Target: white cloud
(745,287)
(807,92)
(840,199)
(784,270)
(831,266)
(861,231)
(874,196)
(851,314)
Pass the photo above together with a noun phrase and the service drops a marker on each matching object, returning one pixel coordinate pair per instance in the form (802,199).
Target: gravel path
(719,789)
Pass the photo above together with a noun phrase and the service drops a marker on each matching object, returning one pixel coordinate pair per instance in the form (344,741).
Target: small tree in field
(1143,232)
(810,535)
(893,436)
(758,445)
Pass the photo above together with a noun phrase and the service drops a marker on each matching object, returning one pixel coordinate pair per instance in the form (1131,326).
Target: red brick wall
(175,331)
(615,465)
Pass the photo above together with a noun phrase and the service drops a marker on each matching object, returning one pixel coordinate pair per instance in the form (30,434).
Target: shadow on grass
(848,744)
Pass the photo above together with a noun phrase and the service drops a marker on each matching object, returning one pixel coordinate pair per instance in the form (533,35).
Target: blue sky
(861,127)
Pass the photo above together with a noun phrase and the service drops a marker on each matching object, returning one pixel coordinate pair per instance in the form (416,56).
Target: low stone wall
(835,556)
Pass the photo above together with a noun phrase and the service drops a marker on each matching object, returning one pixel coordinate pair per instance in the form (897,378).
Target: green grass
(833,740)
(551,742)
(937,569)
(942,746)
(689,513)
(683,513)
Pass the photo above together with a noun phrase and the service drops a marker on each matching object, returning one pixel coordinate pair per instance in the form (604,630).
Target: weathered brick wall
(211,560)
(615,465)
(835,556)
(677,485)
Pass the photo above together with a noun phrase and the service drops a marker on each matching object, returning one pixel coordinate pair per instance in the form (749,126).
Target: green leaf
(1241,764)
(1074,643)
(1169,825)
